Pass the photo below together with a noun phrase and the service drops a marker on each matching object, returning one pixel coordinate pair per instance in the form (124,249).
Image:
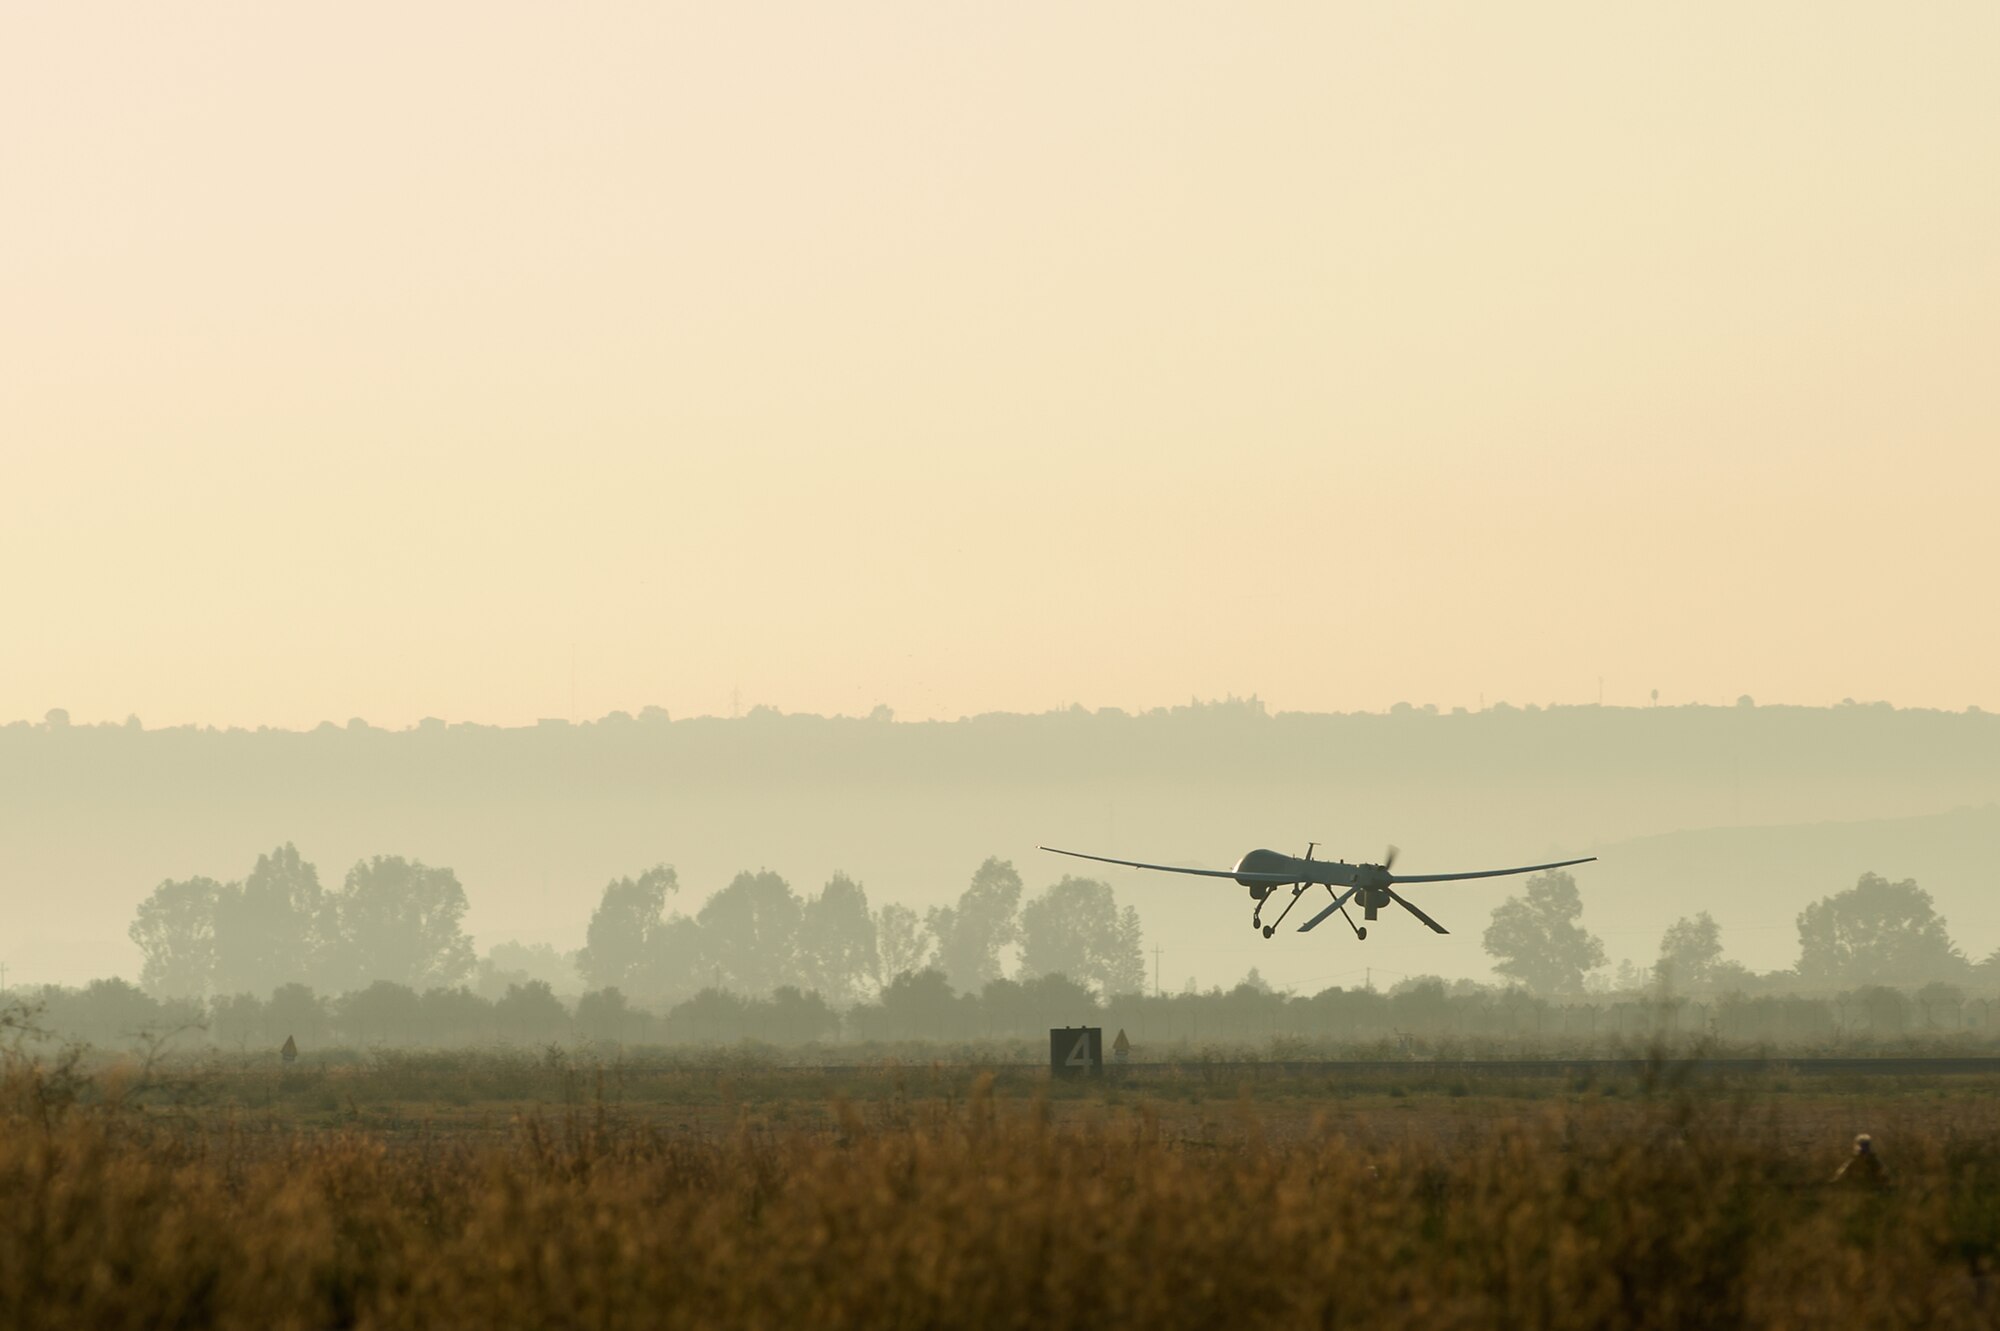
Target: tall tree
(1876,933)
(620,939)
(1689,953)
(401,920)
(750,934)
(1535,938)
(676,962)
(970,935)
(837,942)
(1076,929)
(902,946)
(175,931)
(274,928)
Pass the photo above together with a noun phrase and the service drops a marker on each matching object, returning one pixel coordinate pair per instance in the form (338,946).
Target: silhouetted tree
(113,1011)
(1251,1009)
(1076,929)
(175,931)
(676,963)
(837,942)
(491,981)
(513,963)
(1535,938)
(603,1014)
(793,1017)
(451,1015)
(1941,1003)
(538,961)
(401,920)
(237,1020)
(712,1016)
(620,941)
(531,1012)
(914,1006)
(295,1010)
(1419,1002)
(1876,933)
(274,927)
(902,946)
(1884,1010)
(1689,952)
(1030,1007)
(970,935)
(383,1011)
(750,933)
(1733,977)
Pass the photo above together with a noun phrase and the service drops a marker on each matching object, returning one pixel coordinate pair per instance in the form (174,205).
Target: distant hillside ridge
(1865,742)
(536,819)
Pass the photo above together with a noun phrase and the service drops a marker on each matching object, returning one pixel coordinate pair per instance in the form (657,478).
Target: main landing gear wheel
(1362,933)
(1270,929)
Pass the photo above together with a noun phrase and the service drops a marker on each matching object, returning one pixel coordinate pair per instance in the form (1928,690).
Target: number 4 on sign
(1079,1057)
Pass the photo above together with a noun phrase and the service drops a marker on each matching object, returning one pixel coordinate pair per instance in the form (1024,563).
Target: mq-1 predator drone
(1371,886)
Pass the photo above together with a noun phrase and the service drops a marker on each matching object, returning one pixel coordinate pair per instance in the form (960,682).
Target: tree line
(1422,1015)
(1877,933)
(402,922)
(384,957)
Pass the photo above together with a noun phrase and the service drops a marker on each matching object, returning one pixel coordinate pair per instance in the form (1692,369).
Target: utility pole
(1156,970)
(3,979)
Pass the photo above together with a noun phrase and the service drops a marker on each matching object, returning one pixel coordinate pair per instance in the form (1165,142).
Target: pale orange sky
(384,360)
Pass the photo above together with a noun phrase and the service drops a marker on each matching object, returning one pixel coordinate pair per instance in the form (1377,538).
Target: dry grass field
(481,1191)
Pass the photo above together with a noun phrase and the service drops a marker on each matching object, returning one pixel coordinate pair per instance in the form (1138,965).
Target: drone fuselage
(1372,879)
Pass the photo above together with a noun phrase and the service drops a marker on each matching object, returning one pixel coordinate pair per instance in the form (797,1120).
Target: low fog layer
(1748,813)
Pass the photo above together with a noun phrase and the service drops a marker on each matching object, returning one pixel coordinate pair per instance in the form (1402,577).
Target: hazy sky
(384,360)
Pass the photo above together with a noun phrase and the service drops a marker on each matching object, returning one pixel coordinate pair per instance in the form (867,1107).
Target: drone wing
(1483,873)
(1175,868)
(1409,906)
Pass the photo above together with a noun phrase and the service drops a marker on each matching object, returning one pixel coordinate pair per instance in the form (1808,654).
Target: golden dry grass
(986,1209)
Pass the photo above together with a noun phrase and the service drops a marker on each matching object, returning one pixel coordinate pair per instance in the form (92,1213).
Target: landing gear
(1360,930)
(1272,928)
